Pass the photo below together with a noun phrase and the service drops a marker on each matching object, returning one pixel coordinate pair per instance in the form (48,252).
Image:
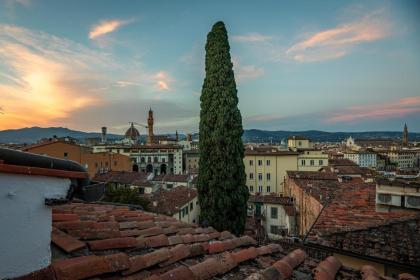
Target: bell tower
(150,122)
(405,136)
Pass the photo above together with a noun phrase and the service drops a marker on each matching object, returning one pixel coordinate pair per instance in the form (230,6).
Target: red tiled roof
(171,177)
(114,242)
(122,177)
(170,201)
(270,198)
(321,190)
(341,162)
(350,222)
(268,152)
(312,175)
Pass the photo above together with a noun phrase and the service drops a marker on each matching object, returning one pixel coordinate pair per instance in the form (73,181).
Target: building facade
(94,162)
(362,159)
(266,169)
(312,160)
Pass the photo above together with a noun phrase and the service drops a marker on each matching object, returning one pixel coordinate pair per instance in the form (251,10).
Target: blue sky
(339,66)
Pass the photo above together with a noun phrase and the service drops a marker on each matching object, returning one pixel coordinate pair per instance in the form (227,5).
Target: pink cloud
(106,26)
(399,108)
(337,42)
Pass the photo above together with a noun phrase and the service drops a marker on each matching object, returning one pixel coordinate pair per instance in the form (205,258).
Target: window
(259,176)
(251,162)
(268,176)
(413,201)
(302,162)
(115,163)
(321,162)
(251,176)
(251,188)
(268,162)
(312,162)
(191,206)
(155,159)
(186,210)
(274,229)
(268,189)
(149,159)
(274,213)
(259,162)
(163,159)
(142,160)
(106,163)
(260,189)
(66,154)
(300,143)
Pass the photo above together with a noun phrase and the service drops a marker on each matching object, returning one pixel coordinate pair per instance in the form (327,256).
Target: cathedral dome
(132,133)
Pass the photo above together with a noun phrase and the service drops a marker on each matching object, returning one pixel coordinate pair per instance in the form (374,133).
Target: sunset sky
(299,65)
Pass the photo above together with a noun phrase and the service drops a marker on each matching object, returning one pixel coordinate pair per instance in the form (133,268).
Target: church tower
(405,136)
(150,122)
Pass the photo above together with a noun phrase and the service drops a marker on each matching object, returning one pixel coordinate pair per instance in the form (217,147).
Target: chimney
(103,136)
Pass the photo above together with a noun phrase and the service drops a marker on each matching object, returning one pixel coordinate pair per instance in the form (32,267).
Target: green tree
(222,192)
(125,195)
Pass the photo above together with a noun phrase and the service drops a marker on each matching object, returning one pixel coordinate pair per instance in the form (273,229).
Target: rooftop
(312,175)
(171,201)
(268,151)
(97,241)
(171,178)
(122,177)
(350,222)
(270,198)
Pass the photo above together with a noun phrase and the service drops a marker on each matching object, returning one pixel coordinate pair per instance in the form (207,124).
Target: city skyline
(348,67)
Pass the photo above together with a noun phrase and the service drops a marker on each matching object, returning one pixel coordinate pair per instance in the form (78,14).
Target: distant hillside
(33,134)
(256,135)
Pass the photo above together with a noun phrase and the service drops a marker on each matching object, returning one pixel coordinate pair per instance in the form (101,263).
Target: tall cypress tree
(222,192)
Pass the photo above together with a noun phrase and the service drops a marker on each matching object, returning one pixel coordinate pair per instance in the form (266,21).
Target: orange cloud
(105,27)
(162,81)
(47,80)
(338,42)
(399,108)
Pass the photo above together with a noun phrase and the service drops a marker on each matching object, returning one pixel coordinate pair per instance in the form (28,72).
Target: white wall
(25,222)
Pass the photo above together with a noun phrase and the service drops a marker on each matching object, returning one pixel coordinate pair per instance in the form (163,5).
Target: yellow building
(298,142)
(312,160)
(266,168)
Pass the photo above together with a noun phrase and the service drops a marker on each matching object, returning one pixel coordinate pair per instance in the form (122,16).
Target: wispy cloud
(396,109)
(339,41)
(246,72)
(252,37)
(106,26)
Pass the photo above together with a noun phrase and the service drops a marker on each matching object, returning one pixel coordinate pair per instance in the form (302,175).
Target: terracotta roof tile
(144,261)
(179,252)
(150,247)
(64,217)
(88,266)
(350,221)
(157,241)
(205,270)
(327,269)
(65,241)
(113,243)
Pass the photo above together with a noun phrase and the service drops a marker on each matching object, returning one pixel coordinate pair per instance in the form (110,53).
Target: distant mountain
(33,134)
(256,135)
